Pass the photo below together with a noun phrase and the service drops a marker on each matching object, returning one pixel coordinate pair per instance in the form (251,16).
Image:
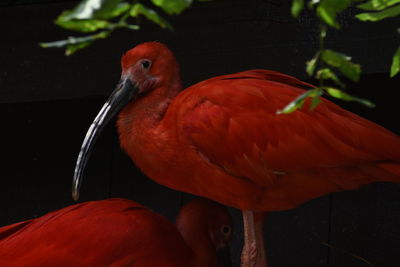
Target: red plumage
(222,139)
(231,120)
(113,232)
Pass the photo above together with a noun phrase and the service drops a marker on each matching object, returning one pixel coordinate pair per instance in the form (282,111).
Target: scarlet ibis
(120,232)
(222,139)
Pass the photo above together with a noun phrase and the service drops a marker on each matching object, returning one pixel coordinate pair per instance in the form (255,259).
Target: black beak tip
(76,185)
(75,194)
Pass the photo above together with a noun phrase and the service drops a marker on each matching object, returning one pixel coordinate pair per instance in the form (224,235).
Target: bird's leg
(253,253)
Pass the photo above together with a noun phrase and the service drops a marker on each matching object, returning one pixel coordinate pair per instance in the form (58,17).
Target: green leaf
(87,25)
(299,101)
(54,44)
(316,100)
(89,9)
(297,7)
(84,10)
(313,3)
(376,16)
(328,74)
(115,12)
(172,7)
(132,26)
(327,10)
(328,17)
(95,9)
(150,14)
(343,63)
(312,64)
(376,5)
(111,9)
(73,44)
(395,68)
(72,48)
(336,93)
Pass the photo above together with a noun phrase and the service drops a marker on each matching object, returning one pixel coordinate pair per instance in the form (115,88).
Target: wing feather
(96,233)
(232,121)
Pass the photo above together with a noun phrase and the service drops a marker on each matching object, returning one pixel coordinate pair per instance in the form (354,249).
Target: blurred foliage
(326,62)
(101,17)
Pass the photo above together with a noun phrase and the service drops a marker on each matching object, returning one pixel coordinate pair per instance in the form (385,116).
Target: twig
(348,253)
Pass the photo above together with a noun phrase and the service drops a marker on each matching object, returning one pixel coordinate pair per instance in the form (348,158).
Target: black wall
(48,101)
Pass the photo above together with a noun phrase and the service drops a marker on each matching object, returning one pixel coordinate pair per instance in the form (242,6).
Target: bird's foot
(249,256)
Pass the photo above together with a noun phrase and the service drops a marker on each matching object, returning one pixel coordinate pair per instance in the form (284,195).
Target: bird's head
(207,228)
(146,68)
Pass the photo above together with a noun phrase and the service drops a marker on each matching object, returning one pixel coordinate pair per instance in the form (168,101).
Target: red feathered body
(222,139)
(114,232)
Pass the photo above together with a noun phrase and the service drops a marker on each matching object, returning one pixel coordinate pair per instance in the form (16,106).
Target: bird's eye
(145,64)
(226,229)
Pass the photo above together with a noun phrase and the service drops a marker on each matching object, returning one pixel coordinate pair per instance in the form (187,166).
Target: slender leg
(253,253)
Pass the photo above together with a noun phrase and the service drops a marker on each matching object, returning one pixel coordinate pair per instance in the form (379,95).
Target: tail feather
(392,172)
(9,230)
(297,188)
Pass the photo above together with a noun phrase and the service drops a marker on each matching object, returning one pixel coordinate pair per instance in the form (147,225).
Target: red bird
(119,232)
(222,139)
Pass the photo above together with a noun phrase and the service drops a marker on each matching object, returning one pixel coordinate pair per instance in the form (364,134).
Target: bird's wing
(9,230)
(87,234)
(232,121)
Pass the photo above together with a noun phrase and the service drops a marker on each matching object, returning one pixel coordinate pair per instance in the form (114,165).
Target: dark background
(47,102)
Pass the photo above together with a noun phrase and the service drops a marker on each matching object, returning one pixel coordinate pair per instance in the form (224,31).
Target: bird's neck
(145,113)
(196,235)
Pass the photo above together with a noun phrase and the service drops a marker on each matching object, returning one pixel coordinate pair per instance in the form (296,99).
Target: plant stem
(322,35)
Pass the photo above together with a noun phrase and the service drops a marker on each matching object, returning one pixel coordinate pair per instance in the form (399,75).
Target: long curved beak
(120,97)
(224,257)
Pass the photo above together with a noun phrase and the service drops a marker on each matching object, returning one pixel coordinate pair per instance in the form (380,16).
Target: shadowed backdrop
(47,102)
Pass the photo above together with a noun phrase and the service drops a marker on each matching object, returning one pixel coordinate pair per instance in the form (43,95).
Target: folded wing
(232,121)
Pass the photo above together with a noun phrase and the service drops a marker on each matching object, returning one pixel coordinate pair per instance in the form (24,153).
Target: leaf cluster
(99,18)
(326,62)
